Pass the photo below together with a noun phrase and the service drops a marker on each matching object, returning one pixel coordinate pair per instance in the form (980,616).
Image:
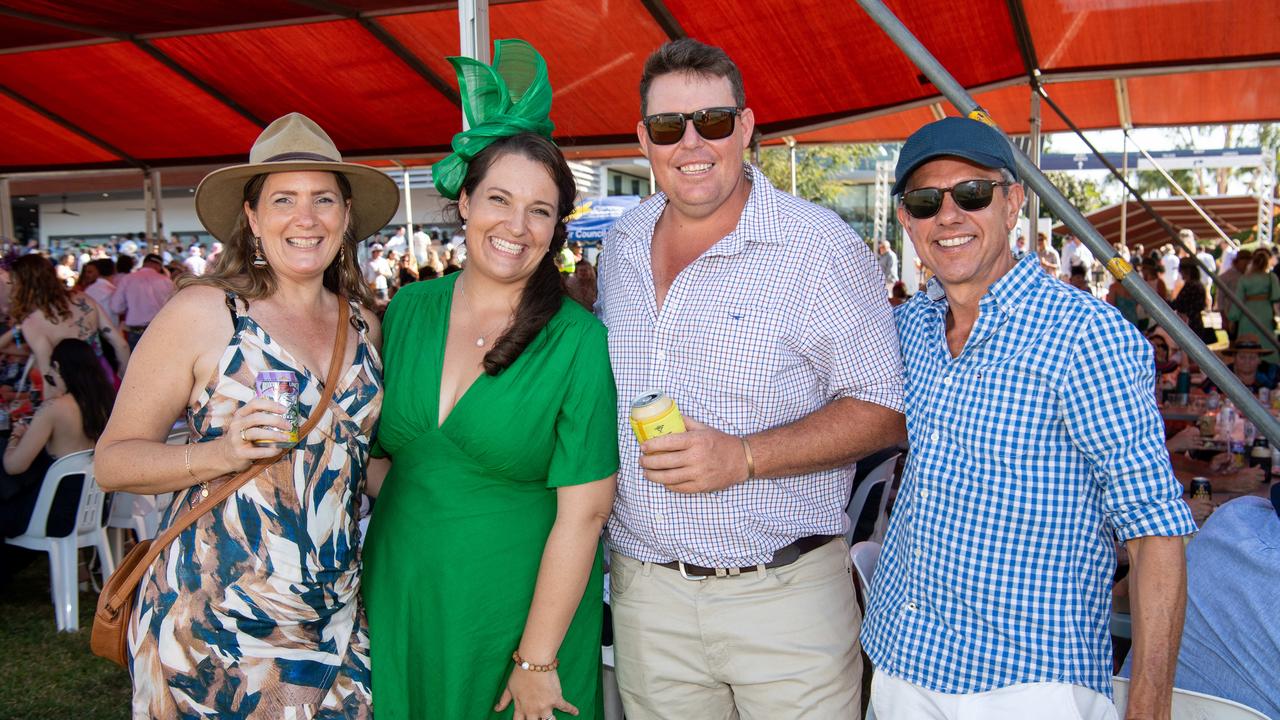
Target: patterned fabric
(780,317)
(254,611)
(1030,452)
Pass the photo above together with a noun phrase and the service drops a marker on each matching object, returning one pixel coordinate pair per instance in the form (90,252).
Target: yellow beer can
(654,414)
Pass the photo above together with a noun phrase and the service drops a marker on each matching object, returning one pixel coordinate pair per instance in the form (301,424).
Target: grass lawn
(48,675)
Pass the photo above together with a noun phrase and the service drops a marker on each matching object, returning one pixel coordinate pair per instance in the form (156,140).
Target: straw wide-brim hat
(1246,343)
(294,143)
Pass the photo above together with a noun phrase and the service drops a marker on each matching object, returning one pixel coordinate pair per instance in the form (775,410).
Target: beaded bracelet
(526,665)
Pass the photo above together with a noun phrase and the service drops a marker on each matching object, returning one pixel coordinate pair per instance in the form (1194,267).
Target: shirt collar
(1006,293)
(636,226)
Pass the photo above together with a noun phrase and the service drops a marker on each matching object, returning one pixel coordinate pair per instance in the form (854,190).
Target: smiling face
(301,218)
(698,175)
(966,250)
(510,218)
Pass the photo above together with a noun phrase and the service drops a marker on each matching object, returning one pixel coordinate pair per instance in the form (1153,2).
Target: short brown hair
(687,55)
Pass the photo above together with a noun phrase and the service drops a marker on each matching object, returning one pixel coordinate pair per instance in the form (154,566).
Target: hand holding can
(654,414)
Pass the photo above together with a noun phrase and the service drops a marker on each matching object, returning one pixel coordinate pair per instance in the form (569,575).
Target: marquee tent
(121,83)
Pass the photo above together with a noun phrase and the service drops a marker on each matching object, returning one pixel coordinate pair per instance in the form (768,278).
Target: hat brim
(991,162)
(220,195)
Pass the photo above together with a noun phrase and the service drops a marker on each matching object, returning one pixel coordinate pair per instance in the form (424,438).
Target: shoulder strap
(225,490)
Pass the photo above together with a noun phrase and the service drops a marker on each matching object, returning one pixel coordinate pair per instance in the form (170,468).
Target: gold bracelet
(526,665)
(751,462)
(204,484)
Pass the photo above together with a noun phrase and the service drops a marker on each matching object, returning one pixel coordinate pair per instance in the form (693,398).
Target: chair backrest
(88,517)
(1188,705)
(865,555)
(879,476)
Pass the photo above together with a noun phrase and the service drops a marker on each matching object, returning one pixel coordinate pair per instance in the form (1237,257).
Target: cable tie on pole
(983,117)
(1119,267)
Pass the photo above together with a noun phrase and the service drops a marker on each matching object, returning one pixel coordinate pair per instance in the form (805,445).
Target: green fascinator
(507,98)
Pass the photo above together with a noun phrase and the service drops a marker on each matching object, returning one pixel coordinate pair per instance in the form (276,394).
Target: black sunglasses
(712,124)
(970,195)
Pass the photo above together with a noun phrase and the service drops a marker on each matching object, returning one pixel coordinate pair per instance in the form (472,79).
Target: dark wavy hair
(543,293)
(84,379)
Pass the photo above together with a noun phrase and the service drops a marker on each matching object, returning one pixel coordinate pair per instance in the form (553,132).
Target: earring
(258,260)
(342,254)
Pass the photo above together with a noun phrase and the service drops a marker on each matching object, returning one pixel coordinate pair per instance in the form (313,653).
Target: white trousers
(896,699)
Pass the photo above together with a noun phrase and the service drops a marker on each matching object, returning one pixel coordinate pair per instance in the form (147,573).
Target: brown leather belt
(781,557)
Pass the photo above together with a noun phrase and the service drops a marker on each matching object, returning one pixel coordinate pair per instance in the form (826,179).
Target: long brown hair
(544,292)
(234,270)
(36,287)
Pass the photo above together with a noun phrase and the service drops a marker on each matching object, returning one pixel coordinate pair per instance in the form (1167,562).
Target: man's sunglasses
(970,195)
(712,124)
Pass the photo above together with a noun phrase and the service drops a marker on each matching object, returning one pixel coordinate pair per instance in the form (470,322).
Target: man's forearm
(1158,597)
(840,433)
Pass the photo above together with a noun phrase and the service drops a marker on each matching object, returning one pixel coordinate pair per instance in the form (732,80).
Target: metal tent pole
(473,30)
(1033,200)
(1178,189)
(1049,194)
(1124,199)
(6,212)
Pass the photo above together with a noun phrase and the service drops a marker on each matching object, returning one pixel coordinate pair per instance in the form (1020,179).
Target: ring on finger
(242,437)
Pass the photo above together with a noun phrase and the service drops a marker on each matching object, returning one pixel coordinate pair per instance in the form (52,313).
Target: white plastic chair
(879,476)
(865,555)
(63,551)
(1188,705)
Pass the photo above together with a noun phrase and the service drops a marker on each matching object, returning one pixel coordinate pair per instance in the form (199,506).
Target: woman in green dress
(1260,290)
(482,564)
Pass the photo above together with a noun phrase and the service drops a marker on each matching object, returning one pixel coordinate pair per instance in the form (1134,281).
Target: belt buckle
(684,574)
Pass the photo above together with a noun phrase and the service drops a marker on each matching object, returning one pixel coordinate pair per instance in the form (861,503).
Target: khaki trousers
(776,644)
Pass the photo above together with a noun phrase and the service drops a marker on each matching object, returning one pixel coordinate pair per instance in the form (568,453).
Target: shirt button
(662,356)
(917,552)
(659,518)
(935,435)
(911,607)
(946,380)
(924,494)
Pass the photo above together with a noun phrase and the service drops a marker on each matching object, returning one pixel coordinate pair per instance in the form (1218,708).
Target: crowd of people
(488,416)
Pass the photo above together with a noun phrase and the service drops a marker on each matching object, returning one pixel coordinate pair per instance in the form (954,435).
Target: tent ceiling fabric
(121,83)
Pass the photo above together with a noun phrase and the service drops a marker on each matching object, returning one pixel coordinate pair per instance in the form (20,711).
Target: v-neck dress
(458,530)
(254,611)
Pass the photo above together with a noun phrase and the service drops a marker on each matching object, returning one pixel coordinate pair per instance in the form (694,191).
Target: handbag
(109,637)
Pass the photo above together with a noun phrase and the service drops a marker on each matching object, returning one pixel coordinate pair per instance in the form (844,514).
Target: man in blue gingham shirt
(1035,439)
(765,318)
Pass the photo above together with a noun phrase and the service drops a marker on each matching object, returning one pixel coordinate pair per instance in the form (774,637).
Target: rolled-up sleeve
(1110,412)
(852,338)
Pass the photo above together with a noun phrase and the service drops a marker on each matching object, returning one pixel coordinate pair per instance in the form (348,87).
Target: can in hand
(280,386)
(1200,488)
(654,414)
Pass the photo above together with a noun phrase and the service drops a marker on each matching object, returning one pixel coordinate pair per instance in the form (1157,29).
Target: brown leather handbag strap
(225,490)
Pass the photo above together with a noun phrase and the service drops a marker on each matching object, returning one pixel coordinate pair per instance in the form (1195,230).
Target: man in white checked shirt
(731,589)
(1035,443)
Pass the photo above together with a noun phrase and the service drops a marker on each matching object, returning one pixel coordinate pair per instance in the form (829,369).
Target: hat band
(289,157)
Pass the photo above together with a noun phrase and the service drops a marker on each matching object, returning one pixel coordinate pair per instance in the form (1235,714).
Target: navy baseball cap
(960,137)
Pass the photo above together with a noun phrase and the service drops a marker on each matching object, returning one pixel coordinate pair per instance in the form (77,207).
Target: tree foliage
(1084,194)
(816,168)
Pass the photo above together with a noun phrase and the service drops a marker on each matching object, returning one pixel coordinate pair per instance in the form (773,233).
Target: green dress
(458,530)
(1259,291)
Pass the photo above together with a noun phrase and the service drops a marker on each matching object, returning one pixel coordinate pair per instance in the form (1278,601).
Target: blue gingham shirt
(777,319)
(1030,452)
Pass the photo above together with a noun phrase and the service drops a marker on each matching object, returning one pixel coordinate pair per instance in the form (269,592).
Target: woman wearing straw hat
(1245,357)
(254,611)
(482,565)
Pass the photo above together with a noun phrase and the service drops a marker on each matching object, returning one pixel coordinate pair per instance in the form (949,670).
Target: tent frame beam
(662,15)
(70,126)
(1054,199)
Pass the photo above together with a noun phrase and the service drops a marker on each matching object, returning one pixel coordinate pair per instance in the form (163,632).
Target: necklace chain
(481,340)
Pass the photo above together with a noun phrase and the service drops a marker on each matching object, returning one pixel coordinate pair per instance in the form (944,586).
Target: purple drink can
(280,386)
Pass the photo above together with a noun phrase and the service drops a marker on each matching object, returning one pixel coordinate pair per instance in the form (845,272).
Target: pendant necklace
(481,340)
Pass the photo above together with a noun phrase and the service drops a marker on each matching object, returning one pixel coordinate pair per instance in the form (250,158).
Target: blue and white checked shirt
(1029,453)
(780,317)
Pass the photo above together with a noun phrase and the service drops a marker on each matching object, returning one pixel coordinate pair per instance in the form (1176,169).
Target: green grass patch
(48,675)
